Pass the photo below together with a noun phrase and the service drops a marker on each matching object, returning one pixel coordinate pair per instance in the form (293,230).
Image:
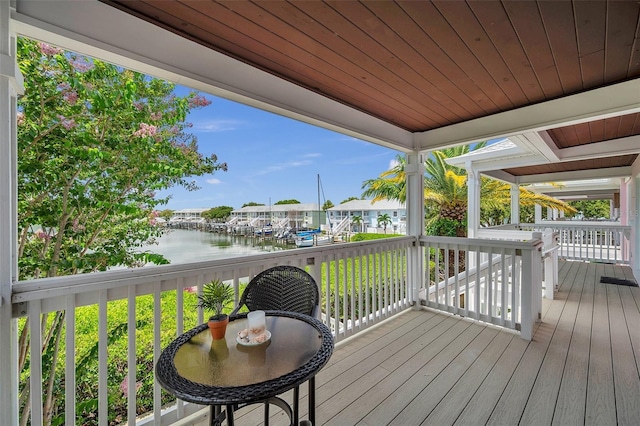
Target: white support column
(515,204)
(414,170)
(10,86)
(473,201)
(634,221)
(531,288)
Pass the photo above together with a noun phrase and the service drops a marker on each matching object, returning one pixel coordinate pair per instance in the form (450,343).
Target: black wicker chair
(282,288)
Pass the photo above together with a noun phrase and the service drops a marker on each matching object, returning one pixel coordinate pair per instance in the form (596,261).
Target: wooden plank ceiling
(424,65)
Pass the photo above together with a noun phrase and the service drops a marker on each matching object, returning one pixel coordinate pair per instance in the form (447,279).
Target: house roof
(368,205)
(563,76)
(279,208)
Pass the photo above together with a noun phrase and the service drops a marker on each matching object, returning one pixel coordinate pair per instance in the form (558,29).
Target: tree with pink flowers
(95,144)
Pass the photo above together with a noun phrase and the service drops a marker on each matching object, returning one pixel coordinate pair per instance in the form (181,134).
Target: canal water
(182,246)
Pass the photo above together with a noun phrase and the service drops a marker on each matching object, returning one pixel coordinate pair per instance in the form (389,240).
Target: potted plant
(215,296)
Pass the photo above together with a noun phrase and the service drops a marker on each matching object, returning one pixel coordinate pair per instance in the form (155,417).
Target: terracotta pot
(218,327)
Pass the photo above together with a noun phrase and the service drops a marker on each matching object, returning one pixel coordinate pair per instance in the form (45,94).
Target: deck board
(450,407)
(571,399)
(425,402)
(627,388)
(600,409)
(426,367)
(542,400)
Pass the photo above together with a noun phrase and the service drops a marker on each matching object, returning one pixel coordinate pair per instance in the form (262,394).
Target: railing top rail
(577,224)
(533,244)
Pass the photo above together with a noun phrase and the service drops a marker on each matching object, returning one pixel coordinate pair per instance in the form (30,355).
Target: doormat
(618,281)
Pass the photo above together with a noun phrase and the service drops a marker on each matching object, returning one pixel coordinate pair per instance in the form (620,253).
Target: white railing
(500,283)
(341,226)
(590,241)
(360,283)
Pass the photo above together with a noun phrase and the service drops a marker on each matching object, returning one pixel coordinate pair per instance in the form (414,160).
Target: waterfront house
(187,216)
(477,347)
(341,216)
(303,215)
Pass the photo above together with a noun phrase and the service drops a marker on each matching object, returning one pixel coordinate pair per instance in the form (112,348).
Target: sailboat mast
(319,201)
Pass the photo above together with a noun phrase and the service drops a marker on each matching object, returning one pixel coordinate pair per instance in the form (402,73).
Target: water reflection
(182,246)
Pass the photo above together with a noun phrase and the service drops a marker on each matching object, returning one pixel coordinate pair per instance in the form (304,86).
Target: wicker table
(225,374)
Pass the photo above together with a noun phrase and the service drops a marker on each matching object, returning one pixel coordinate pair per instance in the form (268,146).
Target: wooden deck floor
(425,367)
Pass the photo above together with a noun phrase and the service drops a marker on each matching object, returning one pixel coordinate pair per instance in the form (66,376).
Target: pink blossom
(138,105)
(191,289)
(64,86)
(145,130)
(71,97)
(156,115)
(124,385)
(49,50)
(42,235)
(20,118)
(67,123)
(81,66)
(198,101)
(77,226)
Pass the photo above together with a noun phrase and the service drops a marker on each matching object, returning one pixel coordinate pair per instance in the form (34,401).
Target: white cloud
(312,155)
(219,125)
(213,181)
(282,166)
(393,163)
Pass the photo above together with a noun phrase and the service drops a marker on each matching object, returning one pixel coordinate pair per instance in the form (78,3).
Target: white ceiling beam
(610,148)
(540,143)
(617,99)
(521,160)
(92,28)
(586,193)
(611,172)
(501,175)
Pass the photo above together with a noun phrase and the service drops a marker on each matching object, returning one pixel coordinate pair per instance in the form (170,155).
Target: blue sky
(271,157)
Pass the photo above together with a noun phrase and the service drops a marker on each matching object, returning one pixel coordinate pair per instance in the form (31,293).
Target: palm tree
(357,220)
(384,220)
(390,185)
(445,191)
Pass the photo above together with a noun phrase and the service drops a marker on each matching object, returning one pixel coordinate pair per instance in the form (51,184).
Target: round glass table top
(197,368)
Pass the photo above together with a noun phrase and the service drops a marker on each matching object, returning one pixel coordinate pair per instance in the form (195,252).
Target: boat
(304,240)
(264,231)
(313,237)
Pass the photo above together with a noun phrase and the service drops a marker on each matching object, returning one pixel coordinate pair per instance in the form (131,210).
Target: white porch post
(531,288)
(473,201)
(515,204)
(10,86)
(634,220)
(414,171)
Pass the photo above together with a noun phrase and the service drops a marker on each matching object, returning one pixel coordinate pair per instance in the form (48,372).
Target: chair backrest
(282,288)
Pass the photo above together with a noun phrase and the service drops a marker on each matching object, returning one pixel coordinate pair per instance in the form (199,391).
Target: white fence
(590,241)
(501,282)
(360,283)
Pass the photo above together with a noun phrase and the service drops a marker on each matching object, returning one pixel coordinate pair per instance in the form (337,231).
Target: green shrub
(369,237)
